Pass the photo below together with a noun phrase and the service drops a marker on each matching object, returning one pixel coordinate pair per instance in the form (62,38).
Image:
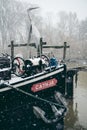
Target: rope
(33,96)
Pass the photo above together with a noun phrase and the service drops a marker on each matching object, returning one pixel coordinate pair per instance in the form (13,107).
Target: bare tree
(83,37)
(12,21)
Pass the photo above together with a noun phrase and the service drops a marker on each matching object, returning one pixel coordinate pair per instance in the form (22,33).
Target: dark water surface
(76,118)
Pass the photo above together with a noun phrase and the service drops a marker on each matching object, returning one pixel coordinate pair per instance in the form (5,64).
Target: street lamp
(30,9)
(30,30)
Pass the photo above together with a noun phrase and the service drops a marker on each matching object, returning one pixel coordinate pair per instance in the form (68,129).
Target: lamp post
(30,9)
(30,29)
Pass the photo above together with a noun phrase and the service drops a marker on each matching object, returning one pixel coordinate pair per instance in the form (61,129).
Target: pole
(30,30)
(41,46)
(12,50)
(64,50)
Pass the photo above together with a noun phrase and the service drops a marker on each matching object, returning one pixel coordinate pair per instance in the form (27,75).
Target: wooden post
(38,51)
(12,50)
(64,50)
(41,44)
(40,47)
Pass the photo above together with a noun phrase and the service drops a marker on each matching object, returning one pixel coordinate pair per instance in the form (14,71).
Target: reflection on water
(76,118)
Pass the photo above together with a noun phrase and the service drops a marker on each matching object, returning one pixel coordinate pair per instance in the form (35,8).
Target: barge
(31,87)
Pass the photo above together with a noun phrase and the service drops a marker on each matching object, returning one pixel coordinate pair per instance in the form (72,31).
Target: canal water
(76,117)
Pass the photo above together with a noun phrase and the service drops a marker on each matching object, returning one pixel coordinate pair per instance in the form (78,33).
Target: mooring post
(12,50)
(70,82)
(64,50)
(69,88)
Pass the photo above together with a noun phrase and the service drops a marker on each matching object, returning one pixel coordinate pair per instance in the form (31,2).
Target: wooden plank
(56,47)
(21,45)
(33,45)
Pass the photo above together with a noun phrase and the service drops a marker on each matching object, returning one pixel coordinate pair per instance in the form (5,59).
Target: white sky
(54,6)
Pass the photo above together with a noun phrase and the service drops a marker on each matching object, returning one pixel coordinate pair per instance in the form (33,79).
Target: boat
(34,84)
(24,86)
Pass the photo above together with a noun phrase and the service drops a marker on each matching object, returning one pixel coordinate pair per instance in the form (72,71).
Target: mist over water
(76,118)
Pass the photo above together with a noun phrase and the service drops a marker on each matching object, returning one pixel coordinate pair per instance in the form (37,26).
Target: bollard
(69,87)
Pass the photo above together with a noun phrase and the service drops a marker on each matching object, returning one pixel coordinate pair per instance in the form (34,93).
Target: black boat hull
(14,103)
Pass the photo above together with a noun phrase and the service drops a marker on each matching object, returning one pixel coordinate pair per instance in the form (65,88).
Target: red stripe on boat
(44,85)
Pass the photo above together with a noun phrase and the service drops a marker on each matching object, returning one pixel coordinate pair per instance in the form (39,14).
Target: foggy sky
(55,6)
